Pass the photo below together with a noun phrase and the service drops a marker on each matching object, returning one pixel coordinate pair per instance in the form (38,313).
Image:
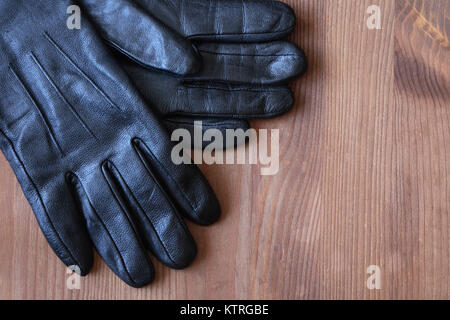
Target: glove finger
(111,228)
(185,183)
(207,124)
(263,63)
(142,37)
(159,223)
(61,223)
(157,88)
(231,20)
(235,102)
(170,96)
(63,227)
(21,121)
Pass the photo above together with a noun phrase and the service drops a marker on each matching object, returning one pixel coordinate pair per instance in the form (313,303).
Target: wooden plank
(364,179)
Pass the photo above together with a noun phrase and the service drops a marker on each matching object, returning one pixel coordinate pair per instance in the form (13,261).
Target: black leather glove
(92,160)
(240,65)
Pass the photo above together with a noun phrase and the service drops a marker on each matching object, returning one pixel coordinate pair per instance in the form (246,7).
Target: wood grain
(364,179)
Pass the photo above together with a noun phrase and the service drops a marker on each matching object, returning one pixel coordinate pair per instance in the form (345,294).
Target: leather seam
(240,116)
(240,34)
(39,111)
(248,55)
(222,122)
(193,86)
(107,231)
(81,72)
(61,96)
(140,208)
(170,176)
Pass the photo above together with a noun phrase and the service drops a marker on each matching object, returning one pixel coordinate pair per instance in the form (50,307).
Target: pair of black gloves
(86,128)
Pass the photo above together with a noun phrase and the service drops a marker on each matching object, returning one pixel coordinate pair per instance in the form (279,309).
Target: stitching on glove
(62,97)
(81,72)
(143,212)
(213,125)
(130,55)
(240,116)
(215,35)
(211,87)
(124,266)
(248,55)
(194,207)
(39,111)
(244,16)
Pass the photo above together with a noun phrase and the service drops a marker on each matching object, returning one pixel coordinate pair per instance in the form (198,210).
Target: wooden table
(364,179)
